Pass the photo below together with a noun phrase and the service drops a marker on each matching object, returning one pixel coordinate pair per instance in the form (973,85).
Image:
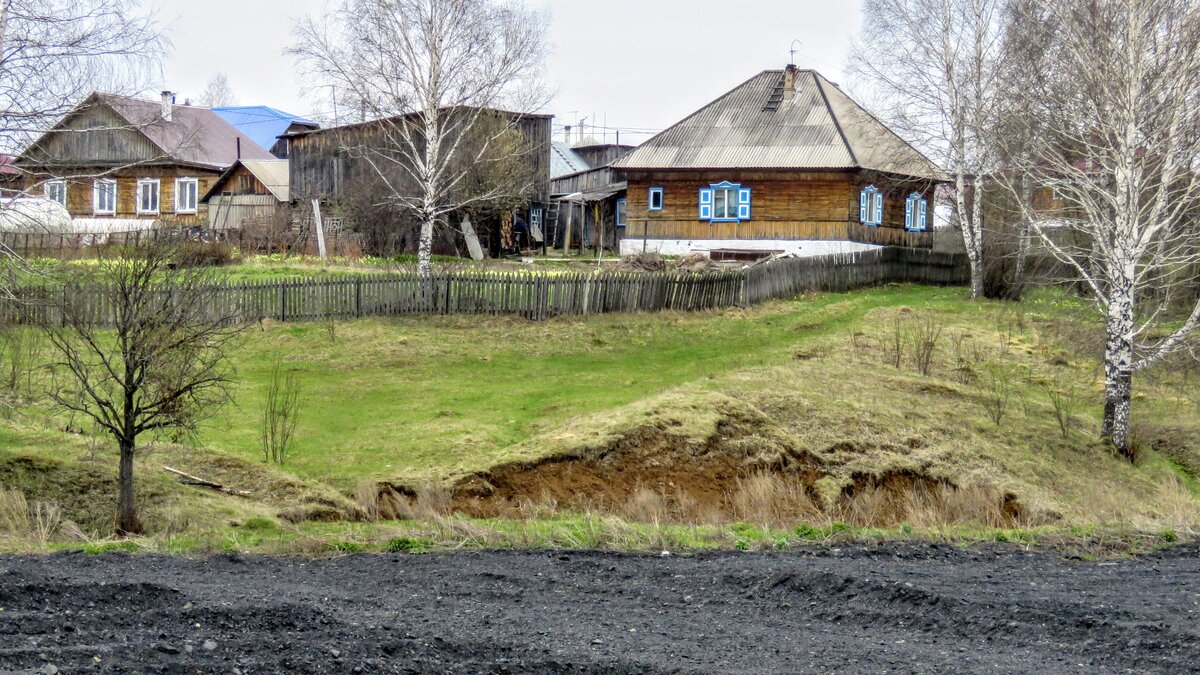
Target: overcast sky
(635,64)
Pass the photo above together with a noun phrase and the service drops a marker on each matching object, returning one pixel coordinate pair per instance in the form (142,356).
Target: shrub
(924,334)
(345,547)
(260,525)
(408,545)
(280,414)
(998,391)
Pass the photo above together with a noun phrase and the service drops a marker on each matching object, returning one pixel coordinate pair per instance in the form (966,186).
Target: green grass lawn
(416,400)
(397,399)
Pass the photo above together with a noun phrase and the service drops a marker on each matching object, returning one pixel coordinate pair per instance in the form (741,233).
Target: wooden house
(786,162)
(126,161)
(339,167)
(591,201)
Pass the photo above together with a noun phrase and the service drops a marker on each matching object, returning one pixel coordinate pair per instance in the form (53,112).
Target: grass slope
(411,401)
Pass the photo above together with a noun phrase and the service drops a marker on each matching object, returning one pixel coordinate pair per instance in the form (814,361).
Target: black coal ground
(885,608)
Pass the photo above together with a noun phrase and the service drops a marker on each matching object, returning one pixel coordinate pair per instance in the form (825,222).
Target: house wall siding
(80,191)
(786,205)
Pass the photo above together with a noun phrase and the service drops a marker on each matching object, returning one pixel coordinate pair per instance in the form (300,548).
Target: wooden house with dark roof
(785,162)
(120,159)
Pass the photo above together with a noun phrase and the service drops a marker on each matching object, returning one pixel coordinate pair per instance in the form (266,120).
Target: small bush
(281,413)
(742,545)
(407,545)
(998,391)
(1169,536)
(260,525)
(924,335)
(345,547)
(101,548)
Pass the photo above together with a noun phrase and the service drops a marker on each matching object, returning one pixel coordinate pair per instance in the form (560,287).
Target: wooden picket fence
(535,295)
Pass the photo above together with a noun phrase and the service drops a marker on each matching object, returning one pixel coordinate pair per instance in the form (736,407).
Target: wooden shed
(785,162)
(252,192)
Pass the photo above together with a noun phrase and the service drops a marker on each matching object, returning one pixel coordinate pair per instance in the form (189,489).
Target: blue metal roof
(261,123)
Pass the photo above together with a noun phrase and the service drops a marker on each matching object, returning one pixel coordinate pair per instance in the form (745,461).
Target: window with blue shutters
(915,213)
(870,206)
(725,203)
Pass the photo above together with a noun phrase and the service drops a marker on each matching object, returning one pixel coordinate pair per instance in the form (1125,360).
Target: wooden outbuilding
(784,162)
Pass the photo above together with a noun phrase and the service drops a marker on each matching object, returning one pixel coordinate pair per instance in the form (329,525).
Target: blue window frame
(916,213)
(619,216)
(725,203)
(655,199)
(870,206)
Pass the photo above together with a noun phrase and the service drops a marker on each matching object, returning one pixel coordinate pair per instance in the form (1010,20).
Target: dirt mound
(652,475)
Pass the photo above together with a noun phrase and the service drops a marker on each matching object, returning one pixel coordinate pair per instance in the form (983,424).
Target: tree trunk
(1118,375)
(425,262)
(127,516)
(1023,238)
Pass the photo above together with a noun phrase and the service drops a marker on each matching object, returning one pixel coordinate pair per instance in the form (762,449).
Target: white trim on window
(56,191)
(149,194)
(104,197)
(187,195)
(654,201)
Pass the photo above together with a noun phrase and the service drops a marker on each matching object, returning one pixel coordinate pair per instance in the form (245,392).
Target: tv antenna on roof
(796,46)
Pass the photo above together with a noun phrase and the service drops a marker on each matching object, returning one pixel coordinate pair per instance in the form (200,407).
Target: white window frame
(101,184)
(874,214)
(725,209)
(56,186)
(180,207)
(157,184)
(620,213)
(655,192)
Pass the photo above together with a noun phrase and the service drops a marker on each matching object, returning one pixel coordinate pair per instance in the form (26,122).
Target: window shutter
(908,214)
(862,206)
(878,208)
(706,204)
(924,222)
(744,204)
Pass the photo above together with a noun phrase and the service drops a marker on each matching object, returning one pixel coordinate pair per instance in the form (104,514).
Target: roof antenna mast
(797,45)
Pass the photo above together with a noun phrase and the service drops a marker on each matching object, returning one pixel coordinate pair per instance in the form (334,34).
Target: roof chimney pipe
(790,77)
(168,104)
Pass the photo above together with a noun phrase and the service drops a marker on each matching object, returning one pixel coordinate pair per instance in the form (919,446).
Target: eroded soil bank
(886,608)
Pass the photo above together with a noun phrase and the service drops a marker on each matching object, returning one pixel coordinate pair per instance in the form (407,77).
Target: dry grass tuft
(35,522)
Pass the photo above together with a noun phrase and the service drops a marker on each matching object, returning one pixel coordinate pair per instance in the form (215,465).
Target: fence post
(283,301)
(358,297)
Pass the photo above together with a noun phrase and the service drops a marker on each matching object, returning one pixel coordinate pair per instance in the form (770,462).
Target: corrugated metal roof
(565,161)
(273,173)
(262,123)
(193,136)
(753,127)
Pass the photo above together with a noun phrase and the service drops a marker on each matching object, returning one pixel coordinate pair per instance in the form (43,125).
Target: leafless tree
(933,67)
(430,70)
(53,53)
(281,414)
(1118,102)
(151,359)
(218,93)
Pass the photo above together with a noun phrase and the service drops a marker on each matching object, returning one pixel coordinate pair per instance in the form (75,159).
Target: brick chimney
(790,77)
(168,104)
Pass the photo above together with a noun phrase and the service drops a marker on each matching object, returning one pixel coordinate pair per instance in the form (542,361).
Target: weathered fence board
(538,295)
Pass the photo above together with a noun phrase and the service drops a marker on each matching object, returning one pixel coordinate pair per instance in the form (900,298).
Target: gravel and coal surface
(888,608)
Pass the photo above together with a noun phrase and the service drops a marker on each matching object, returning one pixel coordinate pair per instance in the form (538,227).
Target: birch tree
(1119,106)
(429,70)
(931,67)
(218,93)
